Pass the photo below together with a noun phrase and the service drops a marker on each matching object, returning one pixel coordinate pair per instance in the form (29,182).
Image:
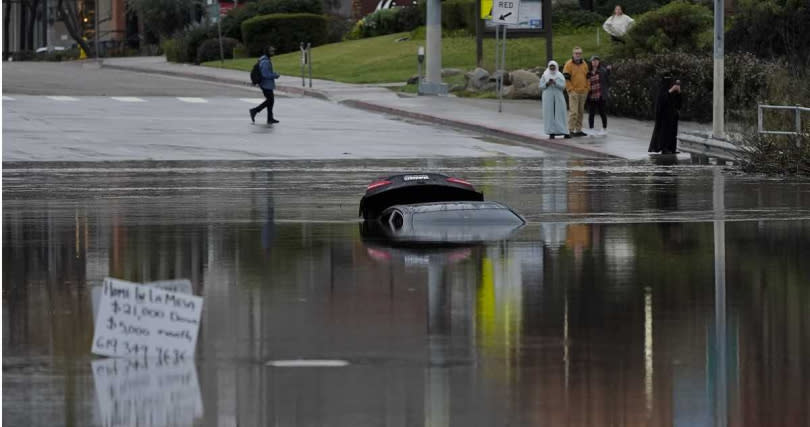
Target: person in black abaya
(667,104)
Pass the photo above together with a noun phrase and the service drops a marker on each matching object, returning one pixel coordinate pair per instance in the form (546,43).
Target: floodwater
(635,295)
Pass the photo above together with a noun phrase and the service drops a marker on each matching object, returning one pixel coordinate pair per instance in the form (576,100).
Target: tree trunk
(6,32)
(70,16)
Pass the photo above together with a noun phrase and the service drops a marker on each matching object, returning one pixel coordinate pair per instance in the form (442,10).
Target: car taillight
(377,184)
(459,181)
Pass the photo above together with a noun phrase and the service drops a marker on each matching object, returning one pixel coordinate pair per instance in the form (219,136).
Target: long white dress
(554,111)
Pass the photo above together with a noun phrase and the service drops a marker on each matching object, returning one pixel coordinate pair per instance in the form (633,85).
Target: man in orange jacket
(577,85)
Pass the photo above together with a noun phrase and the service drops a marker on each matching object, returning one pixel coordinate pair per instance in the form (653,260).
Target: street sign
(505,11)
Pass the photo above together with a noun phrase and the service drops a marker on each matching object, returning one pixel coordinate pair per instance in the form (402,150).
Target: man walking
(268,85)
(577,85)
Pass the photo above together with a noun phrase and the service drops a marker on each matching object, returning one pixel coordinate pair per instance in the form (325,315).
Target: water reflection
(566,322)
(148,393)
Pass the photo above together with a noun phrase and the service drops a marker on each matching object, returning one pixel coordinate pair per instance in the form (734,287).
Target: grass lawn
(384,59)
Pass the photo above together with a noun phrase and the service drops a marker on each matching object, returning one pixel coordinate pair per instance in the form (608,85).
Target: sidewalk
(520,120)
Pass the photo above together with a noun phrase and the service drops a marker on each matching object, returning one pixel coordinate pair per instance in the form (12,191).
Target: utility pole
(433,74)
(718,99)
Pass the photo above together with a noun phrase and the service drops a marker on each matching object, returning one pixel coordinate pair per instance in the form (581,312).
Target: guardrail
(797,118)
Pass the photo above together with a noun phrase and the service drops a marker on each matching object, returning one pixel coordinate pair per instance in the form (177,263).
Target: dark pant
(269,100)
(593,106)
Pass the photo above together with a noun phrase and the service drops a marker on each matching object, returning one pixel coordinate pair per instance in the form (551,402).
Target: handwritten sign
(137,321)
(182,286)
(149,393)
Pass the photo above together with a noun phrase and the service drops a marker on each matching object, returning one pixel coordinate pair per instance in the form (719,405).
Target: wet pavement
(637,294)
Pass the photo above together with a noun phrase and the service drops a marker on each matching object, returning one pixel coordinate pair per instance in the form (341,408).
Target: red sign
(224,8)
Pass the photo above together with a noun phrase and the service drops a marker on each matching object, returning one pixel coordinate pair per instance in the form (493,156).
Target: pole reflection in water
(720,316)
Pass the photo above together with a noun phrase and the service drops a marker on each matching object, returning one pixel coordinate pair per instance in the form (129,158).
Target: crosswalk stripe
(127,99)
(8,98)
(63,98)
(192,100)
(252,100)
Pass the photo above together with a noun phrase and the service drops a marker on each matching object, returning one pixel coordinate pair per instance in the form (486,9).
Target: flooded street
(635,295)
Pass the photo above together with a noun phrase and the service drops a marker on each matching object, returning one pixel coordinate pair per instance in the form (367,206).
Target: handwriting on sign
(142,321)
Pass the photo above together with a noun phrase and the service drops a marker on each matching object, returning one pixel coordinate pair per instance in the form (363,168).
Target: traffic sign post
(504,12)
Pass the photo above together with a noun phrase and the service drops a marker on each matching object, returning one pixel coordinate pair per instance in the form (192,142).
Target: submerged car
(446,223)
(406,189)
(433,209)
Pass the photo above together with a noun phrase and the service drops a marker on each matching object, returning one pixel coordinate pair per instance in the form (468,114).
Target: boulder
(477,79)
(414,79)
(525,85)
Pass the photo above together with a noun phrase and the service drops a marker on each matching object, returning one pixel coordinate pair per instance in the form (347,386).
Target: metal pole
(503,68)
(303,64)
(309,62)
(219,33)
(718,125)
(479,36)
(98,34)
(547,27)
(497,64)
(433,73)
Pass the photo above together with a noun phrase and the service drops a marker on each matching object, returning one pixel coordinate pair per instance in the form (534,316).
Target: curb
(542,142)
(281,88)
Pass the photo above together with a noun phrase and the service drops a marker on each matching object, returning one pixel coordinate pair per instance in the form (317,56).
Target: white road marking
(192,100)
(252,100)
(8,98)
(302,363)
(63,98)
(127,99)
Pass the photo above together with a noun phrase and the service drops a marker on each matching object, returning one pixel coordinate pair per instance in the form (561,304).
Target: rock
(525,85)
(414,79)
(477,79)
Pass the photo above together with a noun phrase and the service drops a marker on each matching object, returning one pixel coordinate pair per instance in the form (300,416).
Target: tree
(69,13)
(165,17)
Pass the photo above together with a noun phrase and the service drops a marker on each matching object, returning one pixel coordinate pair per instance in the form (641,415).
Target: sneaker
(578,133)
(271,121)
(567,136)
(253,115)
(603,132)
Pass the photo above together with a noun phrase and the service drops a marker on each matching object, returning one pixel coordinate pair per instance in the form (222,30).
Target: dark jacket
(268,75)
(604,80)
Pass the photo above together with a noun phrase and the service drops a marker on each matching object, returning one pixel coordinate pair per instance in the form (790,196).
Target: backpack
(256,74)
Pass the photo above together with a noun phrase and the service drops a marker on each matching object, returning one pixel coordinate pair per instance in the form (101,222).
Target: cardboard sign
(137,321)
(141,392)
(182,286)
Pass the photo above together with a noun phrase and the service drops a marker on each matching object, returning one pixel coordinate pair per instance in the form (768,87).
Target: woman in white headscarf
(552,85)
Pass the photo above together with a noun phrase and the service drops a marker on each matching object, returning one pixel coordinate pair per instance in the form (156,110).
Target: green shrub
(232,23)
(571,17)
(336,28)
(284,31)
(387,21)
(191,39)
(634,83)
(678,26)
(209,49)
(459,15)
(771,29)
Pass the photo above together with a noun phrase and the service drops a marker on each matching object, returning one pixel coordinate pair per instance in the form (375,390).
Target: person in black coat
(667,104)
